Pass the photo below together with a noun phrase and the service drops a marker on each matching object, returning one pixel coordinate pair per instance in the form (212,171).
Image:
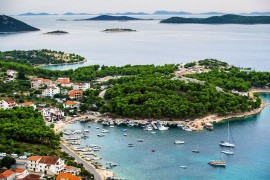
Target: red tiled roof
(49,160)
(18,170)
(27,103)
(70,103)
(66,176)
(73,92)
(69,167)
(8,100)
(6,174)
(63,80)
(34,158)
(32,177)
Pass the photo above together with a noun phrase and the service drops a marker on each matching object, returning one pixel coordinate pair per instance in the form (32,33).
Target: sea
(249,162)
(155,43)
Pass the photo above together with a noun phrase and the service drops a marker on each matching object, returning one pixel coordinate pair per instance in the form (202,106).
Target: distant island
(57,32)
(119,30)
(111,18)
(162,12)
(225,19)
(9,24)
(71,14)
(36,14)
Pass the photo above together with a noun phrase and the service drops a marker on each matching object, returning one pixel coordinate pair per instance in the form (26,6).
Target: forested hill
(225,19)
(9,24)
(40,57)
(112,18)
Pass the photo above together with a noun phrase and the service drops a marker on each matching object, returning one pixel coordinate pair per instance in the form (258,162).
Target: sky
(13,7)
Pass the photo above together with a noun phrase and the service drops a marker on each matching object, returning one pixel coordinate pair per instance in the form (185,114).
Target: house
(45,164)
(32,177)
(50,91)
(71,169)
(7,103)
(66,176)
(40,82)
(75,94)
(21,173)
(28,104)
(80,86)
(12,73)
(64,82)
(32,163)
(70,104)
(7,175)
(51,113)
(51,165)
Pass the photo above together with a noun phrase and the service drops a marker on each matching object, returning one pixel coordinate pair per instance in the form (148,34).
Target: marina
(132,161)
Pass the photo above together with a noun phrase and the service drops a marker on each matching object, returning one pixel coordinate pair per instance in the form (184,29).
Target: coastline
(196,125)
(101,173)
(42,65)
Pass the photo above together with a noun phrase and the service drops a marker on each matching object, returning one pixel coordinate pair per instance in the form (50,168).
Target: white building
(70,104)
(21,173)
(49,165)
(50,91)
(64,82)
(52,113)
(12,73)
(40,82)
(7,175)
(80,86)
(7,103)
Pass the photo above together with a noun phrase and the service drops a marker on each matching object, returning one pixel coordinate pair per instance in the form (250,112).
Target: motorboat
(209,126)
(148,128)
(228,152)
(196,150)
(163,128)
(140,140)
(183,167)
(100,135)
(125,134)
(179,142)
(105,131)
(153,132)
(111,126)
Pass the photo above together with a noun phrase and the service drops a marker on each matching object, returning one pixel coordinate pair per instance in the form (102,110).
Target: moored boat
(179,142)
(228,152)
(163,128)
(217,163)
(227,143)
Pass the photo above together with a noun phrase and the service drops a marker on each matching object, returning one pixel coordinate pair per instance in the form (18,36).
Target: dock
(154,125)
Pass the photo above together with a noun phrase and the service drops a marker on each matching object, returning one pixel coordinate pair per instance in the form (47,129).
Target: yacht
(179,142)
(163,128)
(218,163)
(228,152)
(227,143)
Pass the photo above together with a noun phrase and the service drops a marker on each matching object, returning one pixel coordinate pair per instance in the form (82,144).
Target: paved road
(80,160)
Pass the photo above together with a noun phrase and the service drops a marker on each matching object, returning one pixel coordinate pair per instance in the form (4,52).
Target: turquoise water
(251,159)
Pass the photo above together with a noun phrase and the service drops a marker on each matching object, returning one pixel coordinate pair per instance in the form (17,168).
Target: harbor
(158,154)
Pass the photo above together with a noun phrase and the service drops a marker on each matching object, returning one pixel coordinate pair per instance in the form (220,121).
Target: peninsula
(111,18)
(225,19)
(119,30)
(57,32)
(9,24)
(40,57)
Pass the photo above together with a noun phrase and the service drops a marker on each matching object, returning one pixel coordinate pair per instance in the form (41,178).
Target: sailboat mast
(228,133)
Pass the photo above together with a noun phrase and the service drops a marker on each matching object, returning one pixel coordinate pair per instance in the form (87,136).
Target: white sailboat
(227,143)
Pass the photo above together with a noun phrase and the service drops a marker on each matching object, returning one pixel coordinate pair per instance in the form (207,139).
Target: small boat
(140,140)
(124,130)
(227,143)
(153,132)
(105,131)
(196,150)
(148,128)
(228,152)
(125,134)
(217,163)
(89,126)
(111,126)
(100,135)
(183,167)
(153,151)
(209,126)
(111,163)
(86,131)
(179,142)
(163,128)
(130,145)
(130,124)
(97,127)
